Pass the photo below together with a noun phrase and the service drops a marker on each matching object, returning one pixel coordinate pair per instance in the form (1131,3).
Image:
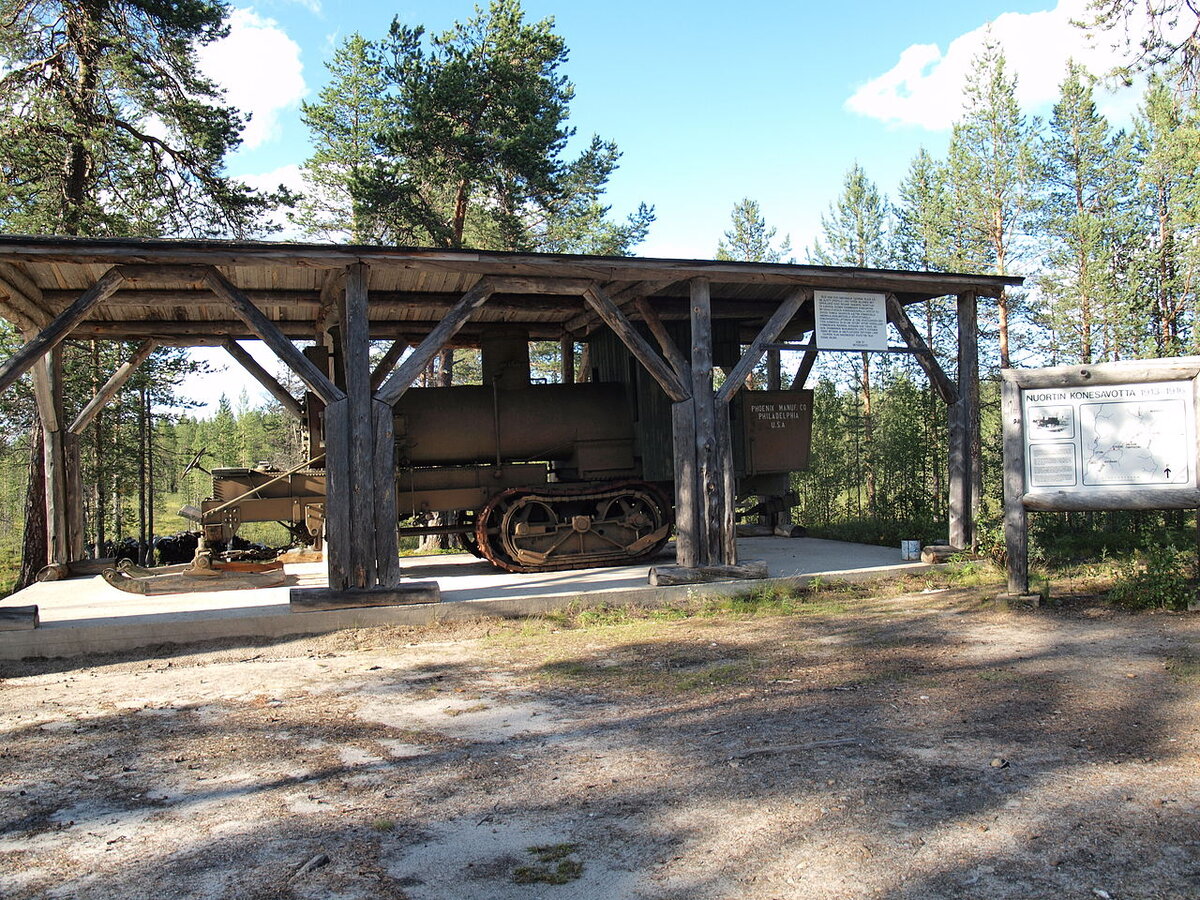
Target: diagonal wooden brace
(774,327)
(58,330)
(265,330)
(638,345)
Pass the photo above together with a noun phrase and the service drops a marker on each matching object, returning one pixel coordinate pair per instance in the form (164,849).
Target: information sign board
(1118,436)
(850,320)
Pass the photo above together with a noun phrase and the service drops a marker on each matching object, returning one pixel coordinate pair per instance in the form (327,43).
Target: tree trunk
(35,549)
(142,479)
(868,436)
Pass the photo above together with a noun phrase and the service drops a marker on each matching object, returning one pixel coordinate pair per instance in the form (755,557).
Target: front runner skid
(201,574)
(553,528)
(181,583)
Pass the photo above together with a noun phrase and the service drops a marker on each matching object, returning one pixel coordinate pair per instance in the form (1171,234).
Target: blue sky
(708,102)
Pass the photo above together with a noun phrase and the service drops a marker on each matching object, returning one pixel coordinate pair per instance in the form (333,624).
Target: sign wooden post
(1117,435)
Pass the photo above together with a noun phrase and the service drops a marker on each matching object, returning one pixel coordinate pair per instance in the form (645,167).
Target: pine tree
(856,234)
(475,157)
(107,126)
(1167,134)
(353,109)
(1169,36)
(1085,215)
(922,241)
(991,175)
(749,239)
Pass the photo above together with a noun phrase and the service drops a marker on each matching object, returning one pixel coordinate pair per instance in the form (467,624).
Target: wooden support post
(109,390)
(339,561)
(774,370)
(637,345)
(54,333)
(687,511)
(47,378)
(807,361)
(387,551)
(76,542)
(1016,532)
(728,486)
(394,388)
(387,363)
(266,331)
(964,428)
(709,475)
(263,377)
(566,360)
(355,354)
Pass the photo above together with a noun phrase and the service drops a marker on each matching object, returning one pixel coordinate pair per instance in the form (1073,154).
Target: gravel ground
(915,746)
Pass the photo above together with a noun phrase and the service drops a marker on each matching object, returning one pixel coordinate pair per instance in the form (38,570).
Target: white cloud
(290,177)
(924,88)
(259,67)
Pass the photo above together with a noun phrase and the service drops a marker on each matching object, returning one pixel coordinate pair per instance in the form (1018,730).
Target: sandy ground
(926,745)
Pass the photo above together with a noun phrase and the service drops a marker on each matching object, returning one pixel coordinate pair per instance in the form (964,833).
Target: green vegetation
(1160,578)
(553,865)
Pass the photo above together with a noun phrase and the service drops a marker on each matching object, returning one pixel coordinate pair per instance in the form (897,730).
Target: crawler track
(551,528)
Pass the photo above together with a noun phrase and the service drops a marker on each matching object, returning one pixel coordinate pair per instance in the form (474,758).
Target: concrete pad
(87,615)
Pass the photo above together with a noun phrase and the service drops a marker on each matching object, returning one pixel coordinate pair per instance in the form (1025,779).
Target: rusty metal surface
(777,430)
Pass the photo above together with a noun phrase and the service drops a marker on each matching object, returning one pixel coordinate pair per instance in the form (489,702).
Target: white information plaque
(1137,436)
(850,320)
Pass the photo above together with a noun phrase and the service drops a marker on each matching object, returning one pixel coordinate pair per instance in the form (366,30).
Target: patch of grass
(553,865)
(717,676)
(458,711)
(384,825)
(1185,669)
(604,616)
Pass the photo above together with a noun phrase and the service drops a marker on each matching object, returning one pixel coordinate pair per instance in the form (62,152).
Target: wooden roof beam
(627,296)
(263,377)
(26,298)
(938,378)
(737,378)
(607,309)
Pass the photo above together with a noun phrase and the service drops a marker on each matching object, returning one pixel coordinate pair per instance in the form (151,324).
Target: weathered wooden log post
(963,469)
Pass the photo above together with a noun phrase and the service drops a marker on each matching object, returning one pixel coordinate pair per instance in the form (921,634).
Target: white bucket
(910,549)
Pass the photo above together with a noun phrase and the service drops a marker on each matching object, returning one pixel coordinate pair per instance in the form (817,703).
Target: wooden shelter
(210,293)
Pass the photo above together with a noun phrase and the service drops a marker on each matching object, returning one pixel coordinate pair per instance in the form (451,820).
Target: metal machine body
(534,477)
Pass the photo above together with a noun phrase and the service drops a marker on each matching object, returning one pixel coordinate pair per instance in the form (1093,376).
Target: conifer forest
(460,140)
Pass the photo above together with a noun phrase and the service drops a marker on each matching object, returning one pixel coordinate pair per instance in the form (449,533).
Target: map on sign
(1133,435)
(1135,442)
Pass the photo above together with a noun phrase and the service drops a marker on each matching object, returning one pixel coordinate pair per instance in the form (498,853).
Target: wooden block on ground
(745,530)
(18,618)
(301,556)
(791,531)
(1020,601)
(407,594)
(938,553)
(91,566)
(667,575)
